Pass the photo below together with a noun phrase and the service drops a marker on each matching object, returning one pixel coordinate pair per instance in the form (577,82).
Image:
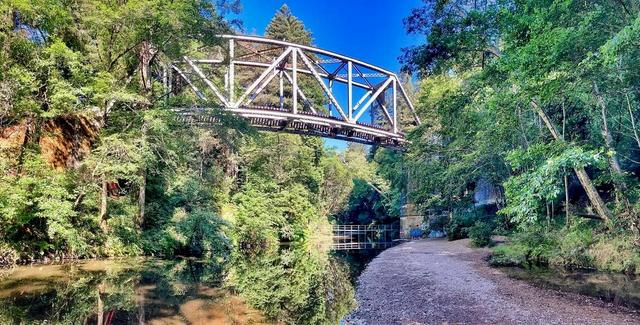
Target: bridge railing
(265,79)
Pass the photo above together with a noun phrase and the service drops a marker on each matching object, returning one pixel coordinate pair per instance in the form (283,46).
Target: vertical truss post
(350,88)
(281,90)
(294,72)
(231,71)
(330,90)
(395,105)
(226,80)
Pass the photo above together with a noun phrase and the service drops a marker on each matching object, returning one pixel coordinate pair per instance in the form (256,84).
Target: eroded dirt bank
(442,282)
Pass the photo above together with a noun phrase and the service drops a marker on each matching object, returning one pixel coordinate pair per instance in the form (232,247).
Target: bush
(616,254)
(572,246)
(480,233)
(459,224)
(463,220)
(8,255)
(509,255)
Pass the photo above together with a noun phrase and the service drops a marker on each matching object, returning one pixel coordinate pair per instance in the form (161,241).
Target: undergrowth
(580,246)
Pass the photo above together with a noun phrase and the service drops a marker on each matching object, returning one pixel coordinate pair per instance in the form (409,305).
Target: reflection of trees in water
(295,286)
(132,292)
(292,285)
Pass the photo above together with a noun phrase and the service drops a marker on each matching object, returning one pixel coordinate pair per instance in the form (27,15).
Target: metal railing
(356,237)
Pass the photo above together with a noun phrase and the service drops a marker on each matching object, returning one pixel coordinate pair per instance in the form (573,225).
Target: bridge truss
(282,86)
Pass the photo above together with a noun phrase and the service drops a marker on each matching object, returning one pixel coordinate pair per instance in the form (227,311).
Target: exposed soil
(442,282)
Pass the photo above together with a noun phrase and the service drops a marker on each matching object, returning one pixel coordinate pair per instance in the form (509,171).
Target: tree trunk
(28,134)
(142,194)
(103,206)
(146,53)
(566,179)
(633,120)
(100,306)
(614,163)
(617,172)
(583,177)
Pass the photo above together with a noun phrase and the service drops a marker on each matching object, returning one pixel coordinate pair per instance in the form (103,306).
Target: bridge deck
(274,119)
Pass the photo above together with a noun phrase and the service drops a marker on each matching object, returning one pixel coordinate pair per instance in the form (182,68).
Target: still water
(619,289)
(130,291)
(153,291)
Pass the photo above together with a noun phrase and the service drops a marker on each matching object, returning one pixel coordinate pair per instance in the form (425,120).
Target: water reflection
(133,291)
(290,286)
(295,285)
(619,289)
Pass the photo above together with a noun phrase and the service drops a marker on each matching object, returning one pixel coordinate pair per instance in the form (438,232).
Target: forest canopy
(539,98)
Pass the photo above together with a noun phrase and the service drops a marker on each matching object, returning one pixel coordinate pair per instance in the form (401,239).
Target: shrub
(460,221)
(571,248)
(509,255)
(480,233)
(8,255)
(616,254)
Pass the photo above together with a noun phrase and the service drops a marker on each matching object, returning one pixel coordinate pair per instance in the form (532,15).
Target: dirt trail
(441,282)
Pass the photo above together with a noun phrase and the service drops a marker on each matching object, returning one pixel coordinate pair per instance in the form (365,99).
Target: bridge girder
(216,84)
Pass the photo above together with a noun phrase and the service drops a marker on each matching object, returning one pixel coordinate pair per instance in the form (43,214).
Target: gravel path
(441,282)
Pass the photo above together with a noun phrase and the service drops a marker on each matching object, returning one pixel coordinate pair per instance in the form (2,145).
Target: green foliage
(8,255)
(37,211)
(579,246)
(377,186)
(511,254)
(438,223)
(459,224)
(82,61)
(285,26)
(615,253)
(464,220)
(480,233)
(571,247)
(539,181)
(526,94)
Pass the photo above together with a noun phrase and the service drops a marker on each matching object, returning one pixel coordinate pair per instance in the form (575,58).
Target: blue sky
(371,31)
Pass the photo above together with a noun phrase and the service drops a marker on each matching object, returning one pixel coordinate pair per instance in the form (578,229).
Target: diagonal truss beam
(372,98)
(207,81)
(324,87)
(193,87)
(262,76)
(300,93)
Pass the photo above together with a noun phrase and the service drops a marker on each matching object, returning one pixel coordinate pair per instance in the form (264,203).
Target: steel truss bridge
(287,87)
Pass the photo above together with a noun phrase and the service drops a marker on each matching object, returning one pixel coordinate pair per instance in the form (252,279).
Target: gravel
(442,282)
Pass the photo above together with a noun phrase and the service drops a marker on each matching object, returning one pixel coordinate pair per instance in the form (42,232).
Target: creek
(618,289)
(181,291)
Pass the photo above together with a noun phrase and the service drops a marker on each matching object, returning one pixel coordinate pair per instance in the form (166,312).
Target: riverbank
(437,281)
